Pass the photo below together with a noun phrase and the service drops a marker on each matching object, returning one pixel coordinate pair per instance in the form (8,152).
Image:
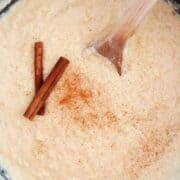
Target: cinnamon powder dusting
(154,140)
(148,152)
(75,92)
(84,103)
(39,148)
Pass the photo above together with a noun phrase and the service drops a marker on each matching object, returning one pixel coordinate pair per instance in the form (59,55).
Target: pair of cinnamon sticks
(44,88)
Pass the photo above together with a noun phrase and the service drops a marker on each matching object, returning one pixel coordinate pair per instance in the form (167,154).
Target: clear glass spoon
(112,47)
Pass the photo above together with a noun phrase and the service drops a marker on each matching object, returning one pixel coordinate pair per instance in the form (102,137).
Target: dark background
(176,5)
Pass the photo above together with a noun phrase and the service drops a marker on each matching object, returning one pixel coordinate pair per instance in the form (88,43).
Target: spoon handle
(112,46)
(133,16)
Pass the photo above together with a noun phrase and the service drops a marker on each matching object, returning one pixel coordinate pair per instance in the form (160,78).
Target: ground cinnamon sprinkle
(83,102)
(152,143)
(74,91)
(149,151)
(110,115)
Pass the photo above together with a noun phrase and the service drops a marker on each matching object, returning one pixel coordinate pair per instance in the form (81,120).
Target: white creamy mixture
(98,125)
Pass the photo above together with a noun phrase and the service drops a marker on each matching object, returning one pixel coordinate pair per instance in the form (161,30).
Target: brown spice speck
(84,103)
(75,92)
(111,116)
(93,116)
(149,151)
(39,148)
(139,41)
(152,147)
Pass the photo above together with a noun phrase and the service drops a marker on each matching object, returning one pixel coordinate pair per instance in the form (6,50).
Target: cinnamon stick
(46,88)
(38,70)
